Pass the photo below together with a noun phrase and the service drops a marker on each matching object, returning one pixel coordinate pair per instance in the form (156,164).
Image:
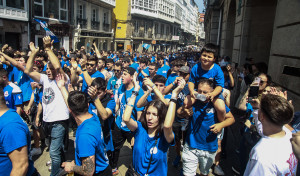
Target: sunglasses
(117,70)
(92,65)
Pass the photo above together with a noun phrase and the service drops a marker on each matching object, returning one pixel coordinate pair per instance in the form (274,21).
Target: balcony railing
(13,13)
(169,37)
(82,22)
(138,34)
(148,35)
(95,25)
(106,27)
(157,36)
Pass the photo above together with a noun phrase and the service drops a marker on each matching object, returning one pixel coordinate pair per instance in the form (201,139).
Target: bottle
(200,97)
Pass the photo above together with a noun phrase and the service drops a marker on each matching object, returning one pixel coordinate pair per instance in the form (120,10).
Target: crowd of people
(152,100)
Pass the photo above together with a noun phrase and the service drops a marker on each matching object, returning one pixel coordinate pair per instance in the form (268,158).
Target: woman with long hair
(154,134)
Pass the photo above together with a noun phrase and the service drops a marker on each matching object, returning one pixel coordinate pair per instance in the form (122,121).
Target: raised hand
(92,91)
(47,42)
(178,89)
(33,48)
(60,80)
(135,82)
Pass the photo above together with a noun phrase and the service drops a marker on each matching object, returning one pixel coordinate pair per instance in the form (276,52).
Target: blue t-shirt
(152,59)
(114,84)
(9,69)
(135,66)
(214,73)
(143,144)
(227,83)
(112,106)
(23,81)
(180,100)
(171,78)
(141,76)
(62,63)
(199,135)
(163,70)
(89,141)
(94,75)
(124,96)
(13,96)
(45,67)
(14,134)
(38,94)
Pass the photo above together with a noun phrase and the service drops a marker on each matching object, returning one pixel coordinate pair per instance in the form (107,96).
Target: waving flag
(146,46)
(48,32)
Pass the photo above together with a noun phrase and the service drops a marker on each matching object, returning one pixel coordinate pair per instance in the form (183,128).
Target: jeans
(56,147)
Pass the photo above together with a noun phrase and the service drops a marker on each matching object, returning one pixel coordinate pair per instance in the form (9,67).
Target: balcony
(95,25)
(157,36)
(169,37)
(138,34)
(82,22)
(148,35)
(106,27)
(109,3)
(12,13)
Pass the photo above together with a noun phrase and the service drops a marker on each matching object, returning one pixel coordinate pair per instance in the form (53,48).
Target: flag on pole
(44,25)
(146,46)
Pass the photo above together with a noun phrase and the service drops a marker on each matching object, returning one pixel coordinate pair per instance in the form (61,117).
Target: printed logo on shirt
(48,95)
(7,102)
(19,97)
(292,161)
(153,150)
(210,110)
(6,93)
(164,71)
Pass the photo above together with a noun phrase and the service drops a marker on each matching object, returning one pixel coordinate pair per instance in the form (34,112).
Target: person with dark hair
(115,82)
(89,68)
(54,124)
(173,77)
(157,85)
(133,64)
(12,93)
(201,139)
(109,67)
(101,67)
(90,155)
(273,154)
(163,68)
(126,62)
(143,70)
(152,70)
(15,142)
(153,135)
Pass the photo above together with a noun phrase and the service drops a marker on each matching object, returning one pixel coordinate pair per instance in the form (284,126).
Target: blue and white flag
(146,46)
(44,25)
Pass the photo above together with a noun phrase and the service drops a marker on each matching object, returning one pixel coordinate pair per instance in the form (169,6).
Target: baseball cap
(129,70)
(184,69)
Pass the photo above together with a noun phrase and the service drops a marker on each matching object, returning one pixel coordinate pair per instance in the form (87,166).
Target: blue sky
(200,5)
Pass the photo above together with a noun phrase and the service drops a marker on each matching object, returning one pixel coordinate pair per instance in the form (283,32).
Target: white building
(93,23)
(14,27)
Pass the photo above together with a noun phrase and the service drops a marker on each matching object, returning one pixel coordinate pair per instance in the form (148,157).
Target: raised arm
(228,67)
(130,123)
(97,51)
(160,96)
(13,62)
(60,81)
(52,57)
(168,123)
(36,76)
(143,100)
(104,113)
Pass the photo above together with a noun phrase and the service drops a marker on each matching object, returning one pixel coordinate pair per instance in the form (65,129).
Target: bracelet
(130,105)
(173,83)
(153,86)
(135,93)
(173,100)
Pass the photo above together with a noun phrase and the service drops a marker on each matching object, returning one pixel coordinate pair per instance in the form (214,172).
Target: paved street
(126,155)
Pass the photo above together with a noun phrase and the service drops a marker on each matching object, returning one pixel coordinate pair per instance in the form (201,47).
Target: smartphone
(254,88)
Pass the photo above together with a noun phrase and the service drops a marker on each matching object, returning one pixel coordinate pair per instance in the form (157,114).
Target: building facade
(267,31)
(200,39)
(14,23)
(163,24)
(92,23)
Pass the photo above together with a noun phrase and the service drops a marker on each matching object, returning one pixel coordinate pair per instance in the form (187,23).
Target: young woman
(153,135)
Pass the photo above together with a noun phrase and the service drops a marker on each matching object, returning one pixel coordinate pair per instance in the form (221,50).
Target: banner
(146,46)
(48,32)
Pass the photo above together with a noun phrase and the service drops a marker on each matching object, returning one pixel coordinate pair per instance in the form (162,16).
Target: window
(94,15)
(136,26)
(105,18)
(162,29)
(81,11)
(156,28)
(51,9)
(18,4)
(1,2)
(146,27)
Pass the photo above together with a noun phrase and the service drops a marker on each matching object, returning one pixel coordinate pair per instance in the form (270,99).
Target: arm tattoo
(88,166)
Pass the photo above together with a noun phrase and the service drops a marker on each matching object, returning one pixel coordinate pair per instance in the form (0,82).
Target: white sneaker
(35,151)
(49,168)
(48,163)
(218,170)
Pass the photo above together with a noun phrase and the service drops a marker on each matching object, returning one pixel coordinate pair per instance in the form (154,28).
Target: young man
(12,93)
(152,70)
(14,142)
(116,81)
(163,69)
(120,131)
(201,138)
(143,70)
(90,156)
(55,111)
(101,67)
(91,66)
(126,62)
(109,67)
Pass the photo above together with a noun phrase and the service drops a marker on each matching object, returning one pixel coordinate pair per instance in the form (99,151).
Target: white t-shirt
(257,123)
(272,156)
(54,106)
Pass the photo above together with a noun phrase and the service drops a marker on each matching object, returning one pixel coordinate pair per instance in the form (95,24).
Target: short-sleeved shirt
(14,134)
(215,74)
(13,95)
(65,63)
(114,84)
(124,96)
(171,78)
(94,75)
(199,135)
(163,70)
(135,66)
(89,141)
(180,100)
(144,146)
(23,81)
(54,106)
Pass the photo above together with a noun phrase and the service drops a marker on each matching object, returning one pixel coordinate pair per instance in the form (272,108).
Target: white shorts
(191,158)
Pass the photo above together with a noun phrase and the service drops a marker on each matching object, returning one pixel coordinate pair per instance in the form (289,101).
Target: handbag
(132,172)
